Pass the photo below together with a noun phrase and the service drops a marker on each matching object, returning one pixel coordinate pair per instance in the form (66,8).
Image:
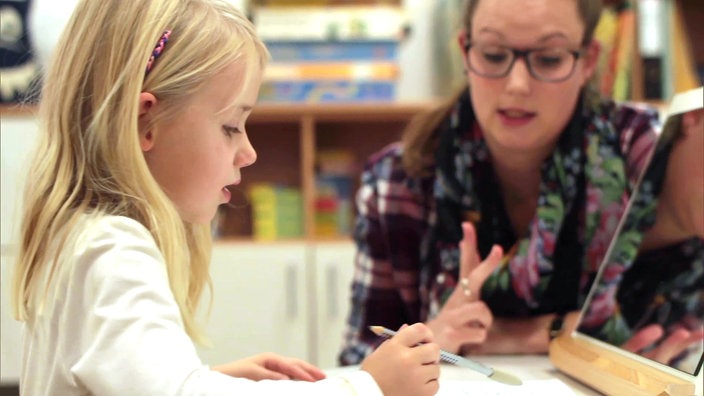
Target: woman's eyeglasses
(544,64)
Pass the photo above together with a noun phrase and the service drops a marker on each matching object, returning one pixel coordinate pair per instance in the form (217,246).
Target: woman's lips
(515,117)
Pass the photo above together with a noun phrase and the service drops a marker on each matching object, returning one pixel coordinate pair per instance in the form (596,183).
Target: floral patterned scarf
(582,196)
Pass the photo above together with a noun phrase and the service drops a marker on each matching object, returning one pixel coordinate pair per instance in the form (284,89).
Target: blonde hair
(89,159)
(417,137)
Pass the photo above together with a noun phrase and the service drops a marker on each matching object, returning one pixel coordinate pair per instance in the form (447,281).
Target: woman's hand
(273,367)
(465,319)
(673,345)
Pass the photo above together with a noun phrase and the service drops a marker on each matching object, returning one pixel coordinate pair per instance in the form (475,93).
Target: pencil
(460,361)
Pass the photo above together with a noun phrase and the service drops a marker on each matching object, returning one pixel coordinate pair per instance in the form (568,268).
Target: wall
(16,141)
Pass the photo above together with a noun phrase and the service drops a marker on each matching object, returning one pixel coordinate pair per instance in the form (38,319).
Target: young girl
(143,119)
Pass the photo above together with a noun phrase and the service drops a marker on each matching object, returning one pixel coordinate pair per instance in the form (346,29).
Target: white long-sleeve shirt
(111,326)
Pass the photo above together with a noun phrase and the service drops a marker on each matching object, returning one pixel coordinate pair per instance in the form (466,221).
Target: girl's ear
(147,102)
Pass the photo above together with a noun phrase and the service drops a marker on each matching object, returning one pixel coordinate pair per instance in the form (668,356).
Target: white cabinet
(259,302)
(334,270)
(10,329)
(17,138)
(287,298)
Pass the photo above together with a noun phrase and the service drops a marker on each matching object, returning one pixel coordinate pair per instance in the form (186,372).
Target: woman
(536,164)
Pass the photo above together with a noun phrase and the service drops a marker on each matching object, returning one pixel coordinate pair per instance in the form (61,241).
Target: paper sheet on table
(546,387)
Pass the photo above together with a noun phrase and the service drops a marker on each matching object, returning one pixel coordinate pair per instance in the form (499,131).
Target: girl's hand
(273,367)
(406,364)
(465,319)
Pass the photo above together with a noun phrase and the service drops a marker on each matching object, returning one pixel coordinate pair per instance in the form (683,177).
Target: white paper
(546,387)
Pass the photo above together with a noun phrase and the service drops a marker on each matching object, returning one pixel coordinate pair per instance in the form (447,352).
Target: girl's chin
(201,218)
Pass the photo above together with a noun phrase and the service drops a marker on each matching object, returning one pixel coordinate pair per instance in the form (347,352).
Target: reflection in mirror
(649,295)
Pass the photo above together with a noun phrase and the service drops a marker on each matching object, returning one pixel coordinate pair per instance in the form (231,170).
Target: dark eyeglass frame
(518,53)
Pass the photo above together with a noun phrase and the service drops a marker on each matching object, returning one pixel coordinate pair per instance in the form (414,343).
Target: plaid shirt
(393,222)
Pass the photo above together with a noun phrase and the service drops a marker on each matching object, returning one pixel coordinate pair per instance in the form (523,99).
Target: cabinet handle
(291,292)
(331,283)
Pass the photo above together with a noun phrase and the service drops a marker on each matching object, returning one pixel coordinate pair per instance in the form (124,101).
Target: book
(606,34)
(616,33)
(623,57)
(334,185)
(323,51)
(333,205)
(329,23)
(331,71)
(325,2)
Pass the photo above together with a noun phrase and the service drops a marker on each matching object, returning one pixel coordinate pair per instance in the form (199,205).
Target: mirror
(648,297)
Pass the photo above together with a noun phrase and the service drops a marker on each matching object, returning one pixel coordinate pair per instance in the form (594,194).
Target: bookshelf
(675,56)
(330,50)
(288,139)
(692,13)
(649,49)
(288,136)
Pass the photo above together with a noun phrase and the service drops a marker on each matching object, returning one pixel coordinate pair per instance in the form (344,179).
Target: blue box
(329,91)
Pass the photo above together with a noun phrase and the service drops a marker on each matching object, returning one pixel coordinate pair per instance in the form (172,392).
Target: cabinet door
(11,334)
(334,262)
(258,301)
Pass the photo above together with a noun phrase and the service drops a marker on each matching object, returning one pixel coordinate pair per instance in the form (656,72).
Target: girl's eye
(230,130)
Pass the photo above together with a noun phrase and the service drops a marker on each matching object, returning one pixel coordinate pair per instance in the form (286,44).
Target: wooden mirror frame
(613,371)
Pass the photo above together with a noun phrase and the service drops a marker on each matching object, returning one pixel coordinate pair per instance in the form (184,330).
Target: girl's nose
(246,155)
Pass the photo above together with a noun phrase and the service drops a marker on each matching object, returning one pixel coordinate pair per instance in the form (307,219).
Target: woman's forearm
(520,335)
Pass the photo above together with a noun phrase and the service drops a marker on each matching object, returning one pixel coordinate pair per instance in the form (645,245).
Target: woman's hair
(416,138)
(90,160)
(671,130)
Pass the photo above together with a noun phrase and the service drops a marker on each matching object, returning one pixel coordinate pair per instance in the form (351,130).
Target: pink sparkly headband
(157,50)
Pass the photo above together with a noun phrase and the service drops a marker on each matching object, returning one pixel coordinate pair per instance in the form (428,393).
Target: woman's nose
(519,78)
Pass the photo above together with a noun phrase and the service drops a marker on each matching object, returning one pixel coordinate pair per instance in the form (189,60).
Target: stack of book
(616,33)
(330,50)
(333,193)
(646,53)
(277,211)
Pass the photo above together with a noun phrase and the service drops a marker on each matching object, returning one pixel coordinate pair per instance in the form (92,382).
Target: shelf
(246,240)
(287,112)
(288,137)
(354,112)
(18,110)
